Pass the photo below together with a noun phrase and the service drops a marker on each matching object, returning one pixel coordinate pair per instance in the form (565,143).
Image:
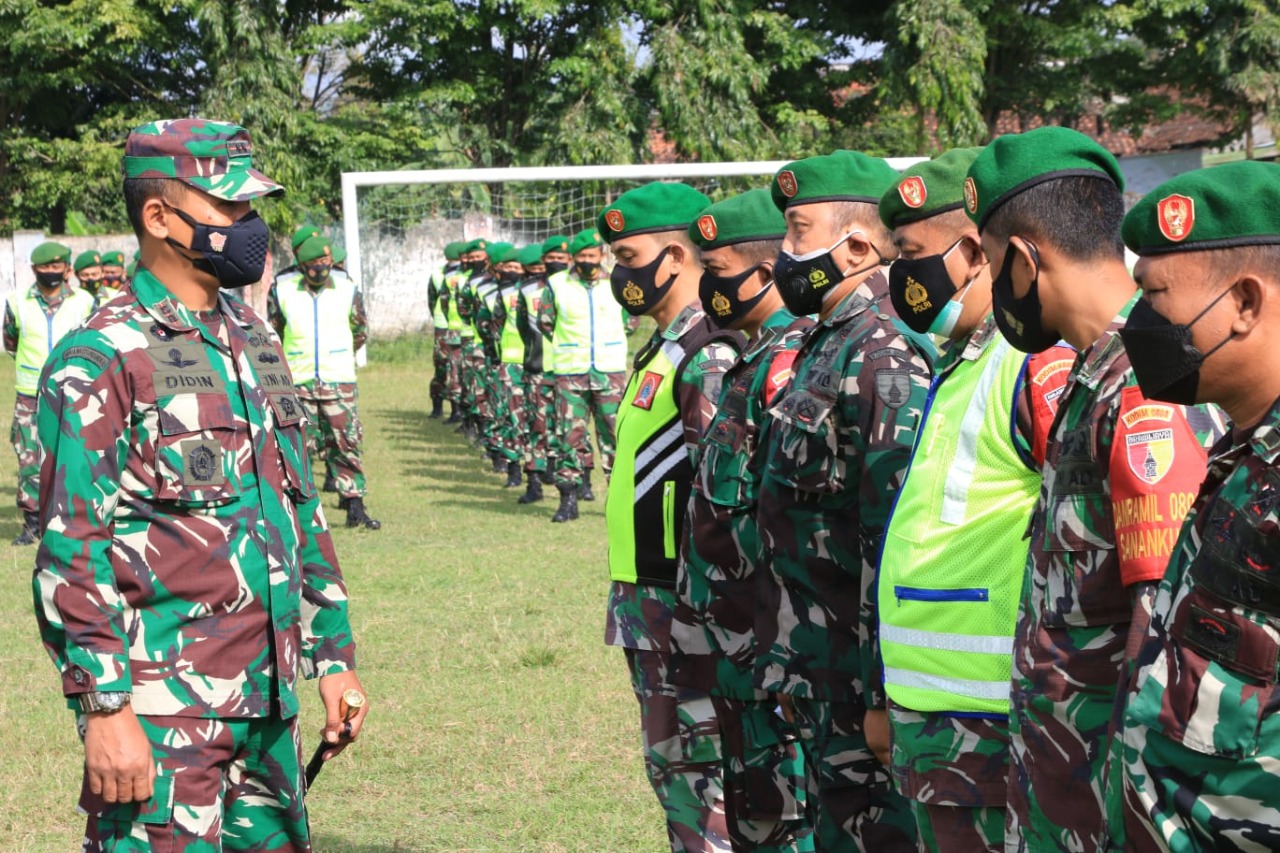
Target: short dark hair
(846,214)
(758,251)
(137,191)
(1262,259)
(1079,216)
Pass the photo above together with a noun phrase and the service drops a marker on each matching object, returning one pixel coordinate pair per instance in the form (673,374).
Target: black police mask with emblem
(920,289)
(719,297)
(317,273)
(1165,361)
(1020,320)
(805,280)
(49,280)
(554,267)
(637,289)
(234,254)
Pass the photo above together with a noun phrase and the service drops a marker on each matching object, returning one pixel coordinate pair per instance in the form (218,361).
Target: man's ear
(1253,299)
(679,256)
(970,249)
(155,218)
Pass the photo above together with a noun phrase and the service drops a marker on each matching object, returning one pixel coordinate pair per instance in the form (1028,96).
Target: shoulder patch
(89,354)
(893,387)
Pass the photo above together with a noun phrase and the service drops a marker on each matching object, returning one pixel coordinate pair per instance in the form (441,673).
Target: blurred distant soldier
(319,315)
(113,272)
(542,437)
(502,321)
(457,333)
(440,326)
(476,263)
(88,269)
(479,295)
(35,319)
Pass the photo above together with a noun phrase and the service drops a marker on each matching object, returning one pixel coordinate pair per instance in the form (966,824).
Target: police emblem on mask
(633,294)
(615,220)
(217,241)
(202,464)
(970,195)
(720,304)
(917,296)
(1176,215)
(913,191)
(818,279)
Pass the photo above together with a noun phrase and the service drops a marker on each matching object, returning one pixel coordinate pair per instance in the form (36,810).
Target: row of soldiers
(529,351)
(1014,593)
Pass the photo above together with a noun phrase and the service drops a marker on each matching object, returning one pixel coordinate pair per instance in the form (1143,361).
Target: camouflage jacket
(185,556)
(713,626)
(1207,672)
(639,616)
(836,449)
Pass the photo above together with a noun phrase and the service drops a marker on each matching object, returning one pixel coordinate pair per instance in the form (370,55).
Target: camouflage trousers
(575,409)
(515,412)
(439,365)
(954,771)
(682,757)
(765,801)
(27,447)
(540,426)
(856,808)
(222,784)
(334,433)
(454,375)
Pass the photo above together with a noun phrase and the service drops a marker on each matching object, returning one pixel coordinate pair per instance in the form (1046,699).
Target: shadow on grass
(11,526)
(329,844)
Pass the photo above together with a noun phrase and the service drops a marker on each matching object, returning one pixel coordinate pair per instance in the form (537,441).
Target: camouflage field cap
(50,252)
(90,258)
(211,156)
(113,259)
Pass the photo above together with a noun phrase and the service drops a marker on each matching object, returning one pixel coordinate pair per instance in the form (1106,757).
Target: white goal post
(394,312)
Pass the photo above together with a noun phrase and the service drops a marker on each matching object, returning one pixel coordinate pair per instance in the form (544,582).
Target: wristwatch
(106,703)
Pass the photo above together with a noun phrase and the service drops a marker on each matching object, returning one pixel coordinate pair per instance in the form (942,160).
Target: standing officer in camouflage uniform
(539,372)
(713,623)
(88,269)
(505,322)
(319,315)
(1201,732)
(836,447)
(668,402)
(34,320)
(1048,205)
(475,262)
(589,339)
(182,585)
(457,331)
(112,273)
(439,327)
(952,567)
(479,296)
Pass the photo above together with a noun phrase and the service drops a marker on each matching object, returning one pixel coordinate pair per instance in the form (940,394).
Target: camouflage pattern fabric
(215,158)
(540,414)
(196,570)
(855,805)
(439,365)
(222,784)
(1201,732)
(334,433)
(953,770)
(513,429)
(453,388)
(27,448)
(1117,467)
(576,407)
(475,390)
(681,743)
(765,795)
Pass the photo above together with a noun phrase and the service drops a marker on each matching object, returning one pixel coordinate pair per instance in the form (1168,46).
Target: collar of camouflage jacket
(1099,357)
(684,321)
(166,310)
(1265,440)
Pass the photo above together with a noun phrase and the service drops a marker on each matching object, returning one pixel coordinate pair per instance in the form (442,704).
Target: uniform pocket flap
(187,413)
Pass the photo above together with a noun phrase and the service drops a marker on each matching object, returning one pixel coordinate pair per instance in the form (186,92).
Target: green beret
(302,234)
(745,218)
(500,253)
(839,176)
(480,244)
(927,189)
(556,243)
(212,156)
(530,255)
(312,249)
(48,253)
(453,251)
(339,254)
(1019,161)
(584,239)
(91,258)
(652,208)
(1235,204)
(113,259)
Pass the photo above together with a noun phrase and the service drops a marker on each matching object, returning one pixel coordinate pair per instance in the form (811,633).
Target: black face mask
(475,266)
(637,289)
(112,280)
(506,277)
(719,297)
(554,267)
(234,254)
(586,271)
(1165,361)
(317,273)
(921,290)
(1019,319)
(91,284)
(50,279)
(805,280)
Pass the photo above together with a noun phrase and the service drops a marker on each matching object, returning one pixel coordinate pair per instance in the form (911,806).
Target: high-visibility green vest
(38,332)
(953,561)
(545,360)
(318,343)
(589,331)
(511,345)
(439,319)
(652,474)
(486,293)
(454,321)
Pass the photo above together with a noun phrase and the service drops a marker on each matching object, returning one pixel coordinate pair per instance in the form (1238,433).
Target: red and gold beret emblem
(913,191)
(970,195)
(787,183)
(1176,216)
(615,220)
(707,227)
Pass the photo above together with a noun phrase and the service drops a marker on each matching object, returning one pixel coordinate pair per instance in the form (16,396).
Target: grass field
(499,721)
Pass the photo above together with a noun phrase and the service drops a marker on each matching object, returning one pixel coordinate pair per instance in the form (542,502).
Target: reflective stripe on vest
(954,558)
(38,332)
(318,343)
(532,296)
(438,318)
(590,333)
(512,345)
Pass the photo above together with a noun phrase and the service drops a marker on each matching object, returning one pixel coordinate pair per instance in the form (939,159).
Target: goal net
(396,224)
